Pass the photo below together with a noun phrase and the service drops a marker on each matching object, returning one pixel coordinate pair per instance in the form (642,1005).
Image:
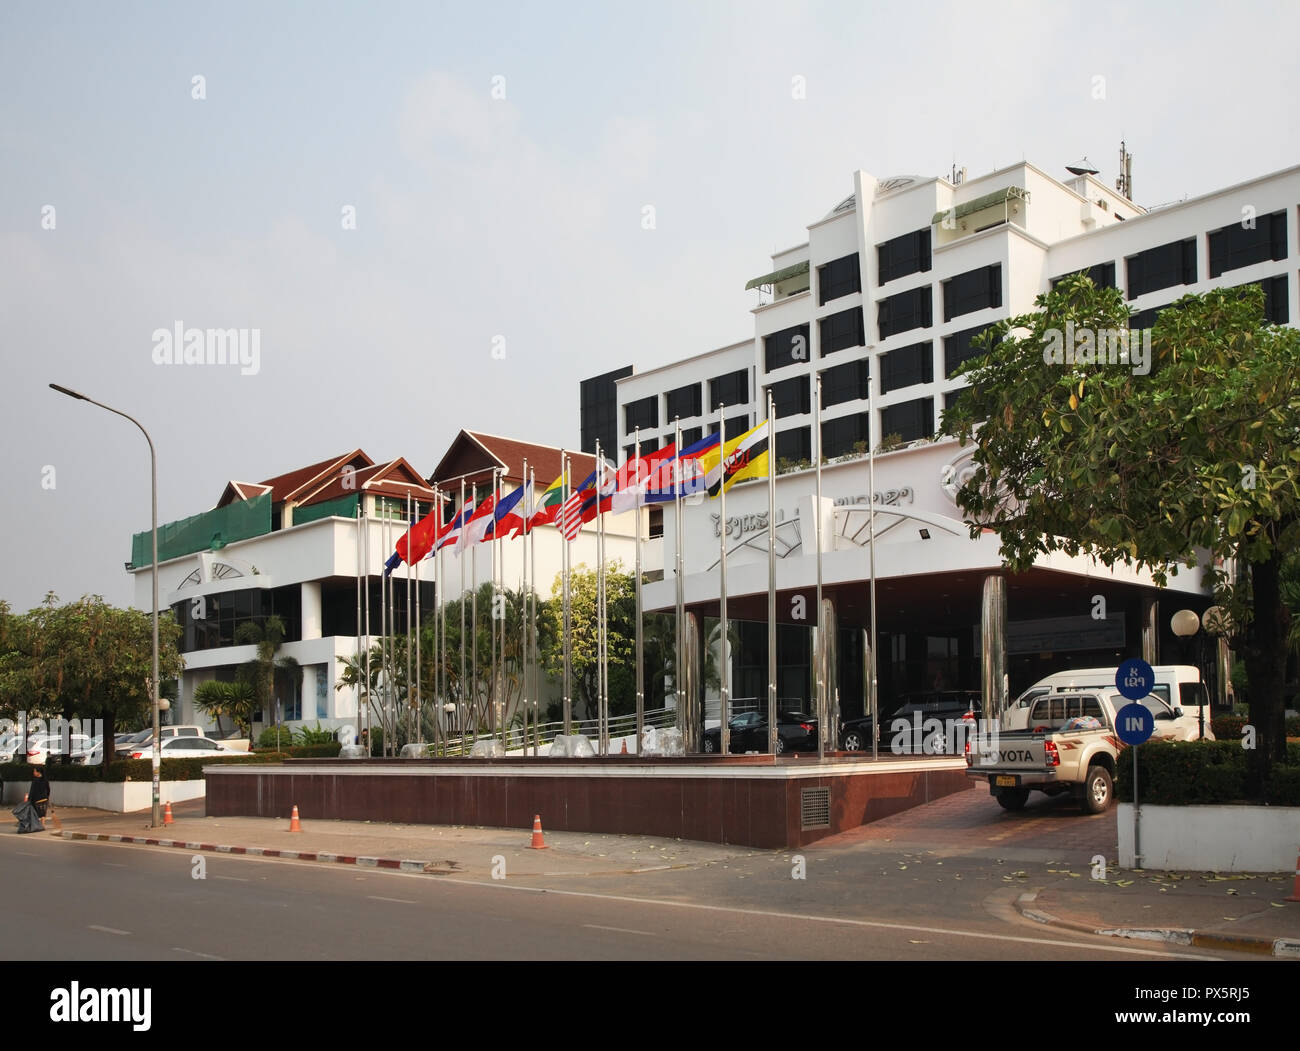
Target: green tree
(85,660)
(1151,470)
(236,701)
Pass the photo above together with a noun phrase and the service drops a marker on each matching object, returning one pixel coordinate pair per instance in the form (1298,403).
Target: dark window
(907,365)
(655,527)
(791,397)
(794,444)
(842,277)
(971,291)
(1233,247)
(841,330)
(959,348)
(1276,310)
(685,401)
(648,445)
(839,436)
(731,389)
(787,347)
(1103,275)
(910,420)
(692,435)
(906,310)
(736,426)
(598,410)
(904,255)
(641,413)
(848,382)
(950,399)
(1156,268)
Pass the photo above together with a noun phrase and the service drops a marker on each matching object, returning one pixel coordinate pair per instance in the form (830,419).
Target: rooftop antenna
(1081,167)
(1124,184)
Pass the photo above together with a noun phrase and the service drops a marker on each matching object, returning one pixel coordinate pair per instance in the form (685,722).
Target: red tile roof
(395,478)
(508,453)
(291,486)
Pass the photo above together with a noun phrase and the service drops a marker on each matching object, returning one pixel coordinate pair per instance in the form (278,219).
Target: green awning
(989,200)
(778,276)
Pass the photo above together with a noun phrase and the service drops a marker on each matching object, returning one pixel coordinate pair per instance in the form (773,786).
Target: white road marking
(805,918)
(193,952)
(113,864)
(620,930)
(107,930)
(399,901)
(237,879)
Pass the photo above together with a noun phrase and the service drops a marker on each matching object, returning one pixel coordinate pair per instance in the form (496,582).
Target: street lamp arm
(153,684)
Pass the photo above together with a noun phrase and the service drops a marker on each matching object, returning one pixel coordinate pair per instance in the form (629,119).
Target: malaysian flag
(569,517)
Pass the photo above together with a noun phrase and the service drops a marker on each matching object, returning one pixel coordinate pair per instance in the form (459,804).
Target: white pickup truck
(1070,745)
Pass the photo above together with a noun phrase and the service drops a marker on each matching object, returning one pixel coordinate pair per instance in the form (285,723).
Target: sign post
(1135,724)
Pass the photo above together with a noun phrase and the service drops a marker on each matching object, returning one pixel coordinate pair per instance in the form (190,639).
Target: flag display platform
(749,800)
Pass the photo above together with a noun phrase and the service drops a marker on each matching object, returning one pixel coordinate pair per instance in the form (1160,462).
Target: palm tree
(264,670)
(237,700)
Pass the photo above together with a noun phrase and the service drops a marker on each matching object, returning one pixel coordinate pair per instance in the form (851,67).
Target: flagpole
(440,673)
(532,619)
(522,663)
(679,679)
(640,642)
(871,544)
(473,627)
(600,606)
(365,540)
(383,628)
(819,657)
(419,653)
(723,662)
(604,614)
(565,555)
(771,576)
(409,526)
(360,689)
(461,559)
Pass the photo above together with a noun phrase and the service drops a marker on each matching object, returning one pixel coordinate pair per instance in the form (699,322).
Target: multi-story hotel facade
(882,302)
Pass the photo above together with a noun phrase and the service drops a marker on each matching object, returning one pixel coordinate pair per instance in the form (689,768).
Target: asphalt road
(105,901)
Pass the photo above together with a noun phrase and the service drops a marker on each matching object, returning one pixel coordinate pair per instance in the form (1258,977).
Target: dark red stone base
(745,800)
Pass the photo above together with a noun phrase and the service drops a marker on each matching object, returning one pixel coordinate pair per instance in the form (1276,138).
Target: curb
(399,864)
(1282,948)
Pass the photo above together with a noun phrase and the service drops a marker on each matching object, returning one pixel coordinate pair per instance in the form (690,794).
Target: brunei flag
(744,457)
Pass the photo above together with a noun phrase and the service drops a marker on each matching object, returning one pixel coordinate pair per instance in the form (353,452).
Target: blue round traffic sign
(1134,679)
(1134,723)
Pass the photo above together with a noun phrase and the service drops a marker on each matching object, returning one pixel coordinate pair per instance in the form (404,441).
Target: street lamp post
(1186,623)
(153,681)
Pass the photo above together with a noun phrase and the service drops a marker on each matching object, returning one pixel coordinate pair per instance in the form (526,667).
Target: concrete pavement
(1050,849)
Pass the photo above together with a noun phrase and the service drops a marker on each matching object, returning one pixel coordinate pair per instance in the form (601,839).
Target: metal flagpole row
(409,523)
(723,656)
(532,621)
(360,684)
(771,577)
(460,700)
(679,654)
(566,641)
(640,642)
(600,609)
(819,654)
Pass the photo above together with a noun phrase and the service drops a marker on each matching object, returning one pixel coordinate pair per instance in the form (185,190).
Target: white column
(311,616)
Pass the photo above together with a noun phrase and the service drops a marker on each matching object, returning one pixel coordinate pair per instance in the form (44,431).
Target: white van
(1178,685)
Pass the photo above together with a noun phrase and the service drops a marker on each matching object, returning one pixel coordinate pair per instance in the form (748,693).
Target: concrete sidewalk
(1242,913)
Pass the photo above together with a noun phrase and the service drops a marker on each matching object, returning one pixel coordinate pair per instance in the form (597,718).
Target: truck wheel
(1097,790)
(1013,798)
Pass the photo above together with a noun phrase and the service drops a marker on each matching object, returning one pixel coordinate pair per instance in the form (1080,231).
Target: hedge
(308,751)
(1177,773)
(1227,727)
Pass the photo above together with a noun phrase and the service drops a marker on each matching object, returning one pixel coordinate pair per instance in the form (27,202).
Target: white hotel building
(882,301)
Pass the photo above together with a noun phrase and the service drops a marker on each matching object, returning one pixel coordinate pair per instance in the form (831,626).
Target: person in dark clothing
(38,800)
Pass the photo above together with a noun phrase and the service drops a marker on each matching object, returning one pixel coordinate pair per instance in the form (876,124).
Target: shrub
(314,735)
(130,769)
(1176,773)
(1226,727)
(268,739)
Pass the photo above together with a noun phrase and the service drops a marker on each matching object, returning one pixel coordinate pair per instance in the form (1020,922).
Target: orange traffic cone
(294,826)
(538,843)
(1295,891)
(624,752)
(167,814)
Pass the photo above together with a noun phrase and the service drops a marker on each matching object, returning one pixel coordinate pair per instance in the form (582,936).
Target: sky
(436,216)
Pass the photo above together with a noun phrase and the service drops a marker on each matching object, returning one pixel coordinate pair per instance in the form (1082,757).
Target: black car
(927,718)
(795,732)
